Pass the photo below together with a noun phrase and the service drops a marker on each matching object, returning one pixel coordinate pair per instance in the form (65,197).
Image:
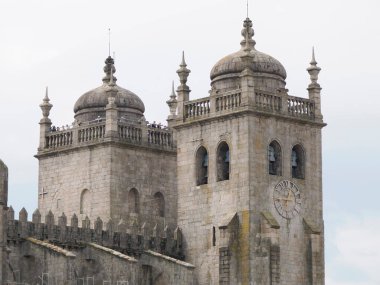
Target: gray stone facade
(230,192)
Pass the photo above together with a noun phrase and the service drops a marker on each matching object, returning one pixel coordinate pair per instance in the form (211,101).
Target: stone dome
(98,98)
(261,63)
(269,72)
(91,104)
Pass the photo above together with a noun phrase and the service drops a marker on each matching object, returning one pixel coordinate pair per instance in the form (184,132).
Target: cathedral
(228,192)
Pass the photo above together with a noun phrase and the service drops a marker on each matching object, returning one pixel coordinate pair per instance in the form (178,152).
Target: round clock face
(287,199)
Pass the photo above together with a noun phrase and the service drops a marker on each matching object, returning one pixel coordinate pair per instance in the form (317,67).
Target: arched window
(85,202)
(202,166)
(223,162)
(298,162)
(274,158)
(133,201)
(159,205)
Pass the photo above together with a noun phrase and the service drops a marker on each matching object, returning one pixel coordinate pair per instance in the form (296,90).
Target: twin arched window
(222,164)
(297,160)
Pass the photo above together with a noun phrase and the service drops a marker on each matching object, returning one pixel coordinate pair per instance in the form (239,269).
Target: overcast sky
(63,44)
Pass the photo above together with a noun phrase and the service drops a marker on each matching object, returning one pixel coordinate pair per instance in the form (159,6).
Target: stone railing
(130,133)
(92,132)
(228,101)
(196,108)
(124,236)
(268,102)
(300,107)
(161,137)
(59,139)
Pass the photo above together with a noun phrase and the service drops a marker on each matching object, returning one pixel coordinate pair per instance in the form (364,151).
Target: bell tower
(249,172)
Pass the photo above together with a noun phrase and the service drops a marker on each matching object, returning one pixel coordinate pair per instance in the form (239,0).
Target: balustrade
(197,108)
(300,107)
(160,137)
(268,102)
(228,101)
(59,139)
(130,132)
(91,133)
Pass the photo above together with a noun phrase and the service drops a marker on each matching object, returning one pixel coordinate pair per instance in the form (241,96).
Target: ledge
(168,258)
(113,252)
(51,247)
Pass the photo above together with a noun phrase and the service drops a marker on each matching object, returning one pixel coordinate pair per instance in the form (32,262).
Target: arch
(201,166)
(223,162)
(297,162)
(133,201)
(159,205)
(274,158)
(85,202)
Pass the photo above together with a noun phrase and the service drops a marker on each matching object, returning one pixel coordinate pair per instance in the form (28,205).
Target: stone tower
(249,173)
(110,163)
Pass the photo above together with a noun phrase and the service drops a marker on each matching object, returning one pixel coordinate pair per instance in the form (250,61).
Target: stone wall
(202,208)
(95,181)
(291,235)
(37,262)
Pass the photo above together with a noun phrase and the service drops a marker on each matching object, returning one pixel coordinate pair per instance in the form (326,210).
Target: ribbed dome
(91,104)
(262,65)
(98,98)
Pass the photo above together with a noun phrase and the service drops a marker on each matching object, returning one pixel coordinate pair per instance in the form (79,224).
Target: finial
(173,92)
(46,106)
(111,89)
(313,62)
(313,70)
(247,32)
(183,72)
(46,99)
(183,63)
(109,69)
(172,102)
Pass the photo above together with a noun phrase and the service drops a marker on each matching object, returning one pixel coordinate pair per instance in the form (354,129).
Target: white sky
(63,44)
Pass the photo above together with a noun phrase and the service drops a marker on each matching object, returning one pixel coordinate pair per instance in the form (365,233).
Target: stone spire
(172,103)
(313,70)
(314,88)
(247,32)
(109,69)
(111,108)
(183,90)
(45,122)
(183,71)
(46,107)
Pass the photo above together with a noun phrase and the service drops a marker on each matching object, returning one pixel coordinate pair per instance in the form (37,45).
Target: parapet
(132,239)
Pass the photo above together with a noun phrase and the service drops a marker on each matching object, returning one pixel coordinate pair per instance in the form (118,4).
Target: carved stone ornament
(287,199)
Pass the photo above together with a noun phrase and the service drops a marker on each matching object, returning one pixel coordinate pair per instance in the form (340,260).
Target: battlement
(129,238)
